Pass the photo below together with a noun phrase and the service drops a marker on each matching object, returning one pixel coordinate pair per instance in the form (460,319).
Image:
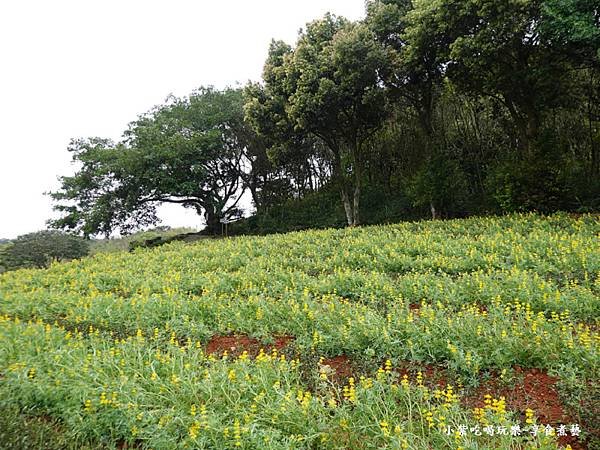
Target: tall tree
(295,158)
(187,152)
(101,196)
(415,74)
(497,49)
(330,86)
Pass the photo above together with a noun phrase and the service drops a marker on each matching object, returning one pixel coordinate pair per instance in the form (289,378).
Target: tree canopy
(328,86)
(39,249)
(189,151)
(426,107)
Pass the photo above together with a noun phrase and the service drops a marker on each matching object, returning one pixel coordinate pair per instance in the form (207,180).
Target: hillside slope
(351,338)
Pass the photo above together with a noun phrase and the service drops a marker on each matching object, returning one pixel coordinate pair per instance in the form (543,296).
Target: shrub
(39,249)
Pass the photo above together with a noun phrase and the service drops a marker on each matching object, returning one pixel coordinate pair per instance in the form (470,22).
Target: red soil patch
(414,307)
(282,341)
(231,344)
(536,390)
(237,344)
(123,445)
(341,365)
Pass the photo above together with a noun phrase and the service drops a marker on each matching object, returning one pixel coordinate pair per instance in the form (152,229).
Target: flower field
(464,334)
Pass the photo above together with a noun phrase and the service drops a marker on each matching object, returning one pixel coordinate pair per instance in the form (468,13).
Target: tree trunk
(594,151)
(356,220)
(532,132)
(527,122)
(347,205)
(357,182)
(339,179)
(434,213)
(213,220)
(425,109)
(254,192)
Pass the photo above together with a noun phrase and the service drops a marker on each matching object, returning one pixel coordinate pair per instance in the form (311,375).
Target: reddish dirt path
(237,344)
(341,365)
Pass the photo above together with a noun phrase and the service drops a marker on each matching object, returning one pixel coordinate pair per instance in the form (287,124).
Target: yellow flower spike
(385,429)
(404,381)
(139,335)
(529,416)
(429,418)
(420,378)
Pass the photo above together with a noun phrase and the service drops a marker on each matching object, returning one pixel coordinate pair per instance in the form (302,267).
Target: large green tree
(294,161)
(189,151)
(414,81)
(329,85)
(499,49)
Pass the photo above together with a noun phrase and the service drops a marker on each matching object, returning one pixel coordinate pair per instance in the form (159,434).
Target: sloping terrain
(446,334)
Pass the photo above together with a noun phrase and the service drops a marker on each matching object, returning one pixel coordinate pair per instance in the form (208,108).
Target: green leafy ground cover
(115,350)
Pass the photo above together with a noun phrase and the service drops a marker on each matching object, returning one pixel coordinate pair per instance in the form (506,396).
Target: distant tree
(39,249)
(4,245)
(101,196)
(189,151)
(330,87)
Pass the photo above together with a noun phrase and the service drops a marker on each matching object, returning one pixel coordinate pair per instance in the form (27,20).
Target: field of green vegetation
(425,335)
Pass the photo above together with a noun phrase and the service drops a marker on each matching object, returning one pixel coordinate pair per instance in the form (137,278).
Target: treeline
(437,108)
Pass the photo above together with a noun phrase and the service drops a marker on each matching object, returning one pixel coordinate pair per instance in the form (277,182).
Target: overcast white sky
(85,68)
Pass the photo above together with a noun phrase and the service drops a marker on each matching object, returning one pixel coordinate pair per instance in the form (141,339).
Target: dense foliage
(453,108)
(189,151)
(41,248)
(114,347)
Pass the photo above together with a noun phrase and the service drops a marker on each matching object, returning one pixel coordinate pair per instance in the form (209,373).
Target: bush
(39,249)
(441,183)
(4,246)
(324,209)
(546,182)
